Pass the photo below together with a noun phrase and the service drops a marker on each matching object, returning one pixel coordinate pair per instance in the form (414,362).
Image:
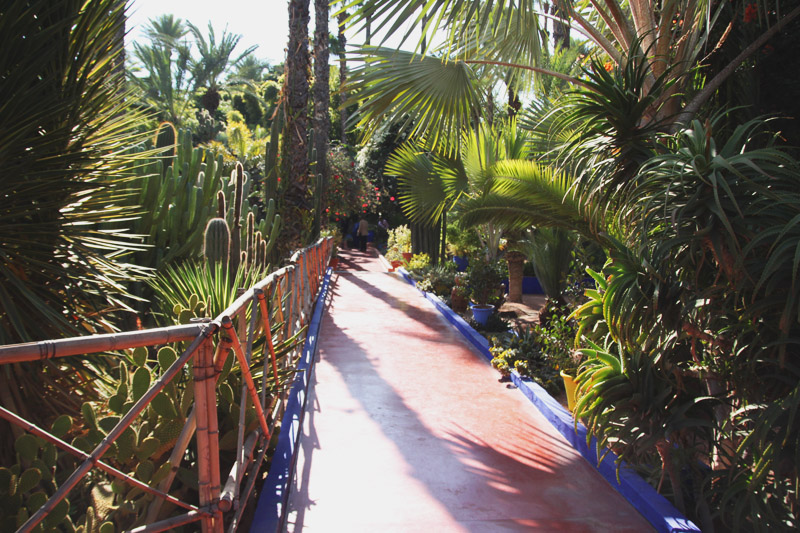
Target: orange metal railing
(287,296)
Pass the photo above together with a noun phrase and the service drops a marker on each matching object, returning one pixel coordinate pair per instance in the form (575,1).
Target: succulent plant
(217,248)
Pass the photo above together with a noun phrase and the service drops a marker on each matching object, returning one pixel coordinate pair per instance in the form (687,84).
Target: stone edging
(661,514)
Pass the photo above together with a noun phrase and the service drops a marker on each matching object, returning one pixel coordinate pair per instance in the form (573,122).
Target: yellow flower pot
(571,387)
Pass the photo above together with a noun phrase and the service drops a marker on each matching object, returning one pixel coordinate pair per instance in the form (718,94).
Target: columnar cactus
(236,224)
(217,247)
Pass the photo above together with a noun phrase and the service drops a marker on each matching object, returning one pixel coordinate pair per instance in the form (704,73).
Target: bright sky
(260,22)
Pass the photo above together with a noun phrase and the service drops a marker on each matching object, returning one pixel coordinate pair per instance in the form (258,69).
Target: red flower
(750,13)
(391,198)
(364,205)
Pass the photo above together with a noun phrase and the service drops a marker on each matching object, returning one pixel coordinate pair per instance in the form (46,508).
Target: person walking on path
(363,231)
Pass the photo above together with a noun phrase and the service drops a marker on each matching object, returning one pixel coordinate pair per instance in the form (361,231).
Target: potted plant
(398,247)
(333,231)
(557,340)
(459,295)
(462,244)
(486,288)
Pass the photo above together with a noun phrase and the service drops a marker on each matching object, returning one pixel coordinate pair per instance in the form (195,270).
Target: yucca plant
(67,128)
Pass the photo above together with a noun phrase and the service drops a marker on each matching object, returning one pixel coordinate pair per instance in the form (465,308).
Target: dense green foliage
(689,337)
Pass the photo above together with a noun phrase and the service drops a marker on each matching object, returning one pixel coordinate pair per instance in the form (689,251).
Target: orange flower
(609,66)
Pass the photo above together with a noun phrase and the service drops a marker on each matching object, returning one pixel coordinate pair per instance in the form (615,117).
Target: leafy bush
(399,243)
(485,280)
(350,192)
(419,264)
(524,352)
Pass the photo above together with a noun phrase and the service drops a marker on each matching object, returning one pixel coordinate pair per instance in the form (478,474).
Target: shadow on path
(406,427)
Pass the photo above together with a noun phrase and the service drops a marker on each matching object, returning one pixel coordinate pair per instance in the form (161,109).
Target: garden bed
(661,514)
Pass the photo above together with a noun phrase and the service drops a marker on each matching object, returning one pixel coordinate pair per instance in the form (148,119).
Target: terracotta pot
(458,301)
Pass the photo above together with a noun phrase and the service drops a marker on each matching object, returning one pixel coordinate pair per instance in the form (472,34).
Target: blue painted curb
(656,509)
(274,495)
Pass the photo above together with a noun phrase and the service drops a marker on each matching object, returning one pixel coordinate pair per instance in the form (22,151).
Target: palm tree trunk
(322,122)
(560,30)
(342,76)
(297,206)
(516,266)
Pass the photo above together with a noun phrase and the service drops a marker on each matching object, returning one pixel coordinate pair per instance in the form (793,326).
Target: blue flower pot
(481,313)
(461,262)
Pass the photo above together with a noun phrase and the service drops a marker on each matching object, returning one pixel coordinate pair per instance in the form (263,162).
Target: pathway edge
(656,509)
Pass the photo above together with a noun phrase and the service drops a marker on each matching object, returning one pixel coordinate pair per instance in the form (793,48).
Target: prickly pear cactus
(28,483)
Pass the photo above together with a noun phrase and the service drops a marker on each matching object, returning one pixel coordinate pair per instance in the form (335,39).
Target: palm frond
(431,96)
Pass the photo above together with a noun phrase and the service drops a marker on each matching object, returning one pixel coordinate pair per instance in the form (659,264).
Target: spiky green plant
(63,153)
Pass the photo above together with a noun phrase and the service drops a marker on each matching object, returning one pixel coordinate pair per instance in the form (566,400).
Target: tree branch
(570,79)
(692,107)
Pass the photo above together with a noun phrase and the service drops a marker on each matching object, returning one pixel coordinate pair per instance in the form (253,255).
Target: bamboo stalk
(262,302)
(209,384)
(178,451)
(290,301)
(248,487)
(170,523)
(186,435)
(227,325)
(109,342)
(207,331)
(203,448)
(231,491)
(240,458)
(279,292)
(39,432)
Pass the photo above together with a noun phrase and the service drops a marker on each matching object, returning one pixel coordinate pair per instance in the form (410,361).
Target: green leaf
(139,356)
(36,500)
(147,448)
(61,426)
(107,423)
(28,480)
(27,446)
(140,384)
(164,406)
(166,356)
(144,471)
(88,414)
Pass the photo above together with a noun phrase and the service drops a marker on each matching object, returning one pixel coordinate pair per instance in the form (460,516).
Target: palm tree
(508,34)
(214,61)
(433,182)
(165,61)
(295,133)
(321,122)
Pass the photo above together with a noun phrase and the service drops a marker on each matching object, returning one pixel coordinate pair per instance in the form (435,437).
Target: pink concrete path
(408,430)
